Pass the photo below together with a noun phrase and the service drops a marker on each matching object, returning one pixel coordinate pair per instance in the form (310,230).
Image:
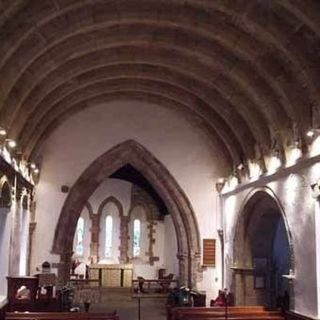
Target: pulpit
(46,281)
(22,293)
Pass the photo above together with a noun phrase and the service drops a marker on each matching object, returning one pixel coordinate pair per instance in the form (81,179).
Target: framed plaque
(209,252)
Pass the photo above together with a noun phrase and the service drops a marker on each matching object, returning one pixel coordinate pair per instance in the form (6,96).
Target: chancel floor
(120,299)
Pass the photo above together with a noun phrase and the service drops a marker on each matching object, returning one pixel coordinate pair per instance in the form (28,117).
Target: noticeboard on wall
(209,252)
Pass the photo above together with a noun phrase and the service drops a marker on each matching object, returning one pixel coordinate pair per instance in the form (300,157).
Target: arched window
(80,237)
(136,237)
(108,243)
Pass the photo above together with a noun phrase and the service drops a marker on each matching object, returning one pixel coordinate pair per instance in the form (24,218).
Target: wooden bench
(61,316)
(217,313)
(208,316)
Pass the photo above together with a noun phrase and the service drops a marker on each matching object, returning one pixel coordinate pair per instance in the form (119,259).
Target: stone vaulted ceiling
(247,72)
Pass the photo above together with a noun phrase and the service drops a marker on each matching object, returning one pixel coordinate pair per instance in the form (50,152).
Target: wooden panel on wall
(209,252)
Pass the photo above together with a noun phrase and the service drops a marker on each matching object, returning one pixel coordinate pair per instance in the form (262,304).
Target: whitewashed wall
(292,188)
(178,144)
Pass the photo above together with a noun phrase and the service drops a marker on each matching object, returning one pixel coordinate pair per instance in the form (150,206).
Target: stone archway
(113,200)
(131,152)
(257,272)
(5,193)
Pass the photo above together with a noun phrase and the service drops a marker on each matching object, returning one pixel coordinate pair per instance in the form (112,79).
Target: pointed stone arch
(5,193)
(258,203)
(113,200)
(145,207)
(88,206)
(133,153)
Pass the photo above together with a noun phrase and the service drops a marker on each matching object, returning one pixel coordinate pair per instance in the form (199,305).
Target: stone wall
(290,187)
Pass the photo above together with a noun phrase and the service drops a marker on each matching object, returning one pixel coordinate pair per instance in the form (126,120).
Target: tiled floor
(127,307)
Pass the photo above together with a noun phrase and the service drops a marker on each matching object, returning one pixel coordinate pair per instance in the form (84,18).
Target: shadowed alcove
(263,254)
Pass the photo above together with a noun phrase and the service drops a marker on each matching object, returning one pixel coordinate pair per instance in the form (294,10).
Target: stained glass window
(108,243)
(79,236)
(136,237)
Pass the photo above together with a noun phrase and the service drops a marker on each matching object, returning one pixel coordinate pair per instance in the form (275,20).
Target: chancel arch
(263,256)
(131,152)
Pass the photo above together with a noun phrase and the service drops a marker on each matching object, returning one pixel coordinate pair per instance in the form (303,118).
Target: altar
(112,275)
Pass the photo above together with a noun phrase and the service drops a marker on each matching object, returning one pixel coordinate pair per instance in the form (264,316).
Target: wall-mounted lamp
(11,143)
(313,133)
(220,184)
(33,166)
(3,132)
(316,190)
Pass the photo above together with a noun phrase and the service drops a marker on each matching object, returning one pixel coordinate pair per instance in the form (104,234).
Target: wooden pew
(237,313)
(208,316)
(61,316)
(244,309)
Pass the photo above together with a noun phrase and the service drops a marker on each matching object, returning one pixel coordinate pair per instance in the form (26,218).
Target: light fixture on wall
(36,171)
(3,132)
(220,184)
(313,133)
(310,134)
(34,168)
(316,190)
(11,143)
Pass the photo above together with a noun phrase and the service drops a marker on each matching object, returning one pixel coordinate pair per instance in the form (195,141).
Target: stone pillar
(64,267)
(95,232)
(183,269)
(189,269)
(32,227)
(194,269)
(15,234)
(152,241)
(124,239)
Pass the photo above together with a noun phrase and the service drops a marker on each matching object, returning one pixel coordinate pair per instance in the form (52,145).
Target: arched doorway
(130,152)
(263,252)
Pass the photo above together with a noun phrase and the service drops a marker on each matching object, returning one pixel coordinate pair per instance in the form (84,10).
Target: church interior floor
(120,299)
